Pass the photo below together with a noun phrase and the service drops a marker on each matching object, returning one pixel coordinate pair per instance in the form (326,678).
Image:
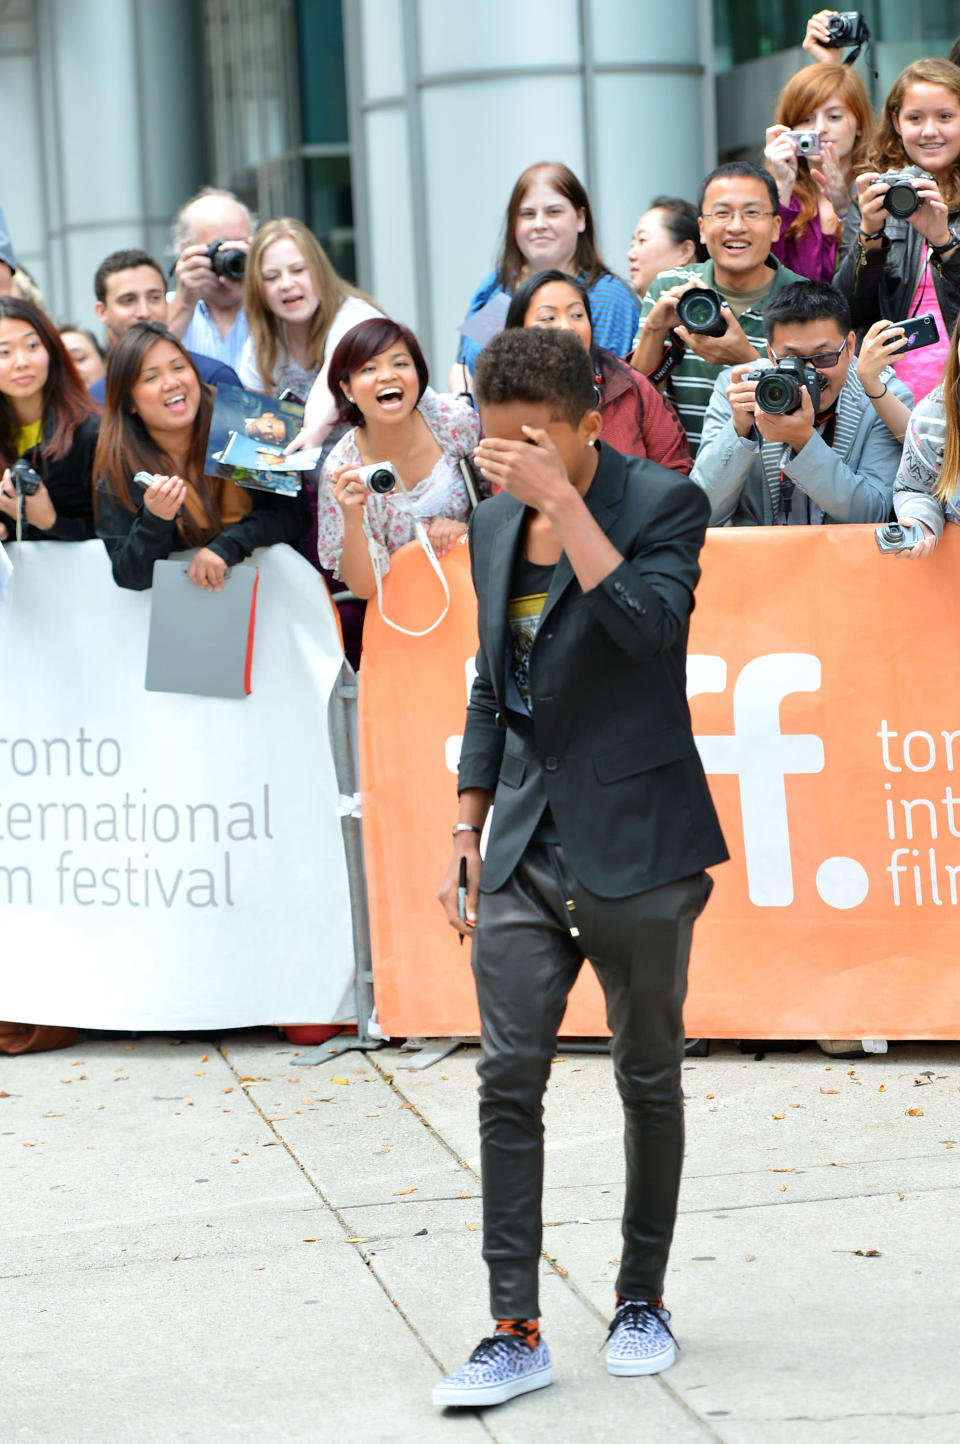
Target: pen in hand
(462,894)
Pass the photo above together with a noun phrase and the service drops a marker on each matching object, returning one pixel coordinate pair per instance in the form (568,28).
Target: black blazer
(69,481)
(609,745)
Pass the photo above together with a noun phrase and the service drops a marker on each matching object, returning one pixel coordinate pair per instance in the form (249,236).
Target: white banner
(166,861)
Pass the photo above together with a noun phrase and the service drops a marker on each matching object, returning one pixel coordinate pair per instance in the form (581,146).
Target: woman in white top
(380,379)
(298,309)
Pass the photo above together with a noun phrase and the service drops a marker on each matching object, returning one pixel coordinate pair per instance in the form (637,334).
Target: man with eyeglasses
(739,221)
(835,463)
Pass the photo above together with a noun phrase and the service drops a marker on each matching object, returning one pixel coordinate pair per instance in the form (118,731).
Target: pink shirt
(921,370)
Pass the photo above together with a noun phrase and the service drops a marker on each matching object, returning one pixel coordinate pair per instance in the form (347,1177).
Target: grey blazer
(609,744)
(851,481)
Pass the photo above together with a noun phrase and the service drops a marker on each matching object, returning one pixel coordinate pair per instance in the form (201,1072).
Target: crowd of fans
(813,265)
(816,259)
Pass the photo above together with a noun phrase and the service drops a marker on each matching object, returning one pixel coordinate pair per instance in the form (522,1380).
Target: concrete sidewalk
(204,1241)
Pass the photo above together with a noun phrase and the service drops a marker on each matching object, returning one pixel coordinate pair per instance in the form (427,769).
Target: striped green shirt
(690,384)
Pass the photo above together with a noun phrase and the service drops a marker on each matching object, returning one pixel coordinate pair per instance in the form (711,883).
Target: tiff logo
(761,756)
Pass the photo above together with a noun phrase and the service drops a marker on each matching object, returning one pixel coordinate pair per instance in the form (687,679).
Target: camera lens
(381,481)
(836,25)
(901,200)
(699,311)
(805,144)
(777,394)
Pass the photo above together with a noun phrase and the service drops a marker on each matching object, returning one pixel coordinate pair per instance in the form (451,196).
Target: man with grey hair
(206,310)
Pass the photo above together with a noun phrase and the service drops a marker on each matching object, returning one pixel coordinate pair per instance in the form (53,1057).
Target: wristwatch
(947,245)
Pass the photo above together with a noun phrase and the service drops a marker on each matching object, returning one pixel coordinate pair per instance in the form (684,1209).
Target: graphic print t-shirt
(528,593)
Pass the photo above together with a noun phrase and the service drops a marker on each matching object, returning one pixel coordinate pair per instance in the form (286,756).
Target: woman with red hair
(831,101)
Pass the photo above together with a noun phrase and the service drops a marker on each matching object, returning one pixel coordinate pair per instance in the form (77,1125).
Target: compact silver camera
(901,199)
(896,538)
(380,477)
(805,142)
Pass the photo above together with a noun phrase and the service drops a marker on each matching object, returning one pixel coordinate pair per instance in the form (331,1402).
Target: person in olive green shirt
(739,221)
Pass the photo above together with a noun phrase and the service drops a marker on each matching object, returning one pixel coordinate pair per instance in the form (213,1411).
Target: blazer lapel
(503,552)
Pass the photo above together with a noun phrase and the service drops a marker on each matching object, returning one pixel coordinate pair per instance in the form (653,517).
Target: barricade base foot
(432,1051)
(333,1047)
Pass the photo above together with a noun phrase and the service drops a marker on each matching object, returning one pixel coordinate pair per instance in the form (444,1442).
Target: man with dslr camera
(739,221)
(212,235)
(797,440)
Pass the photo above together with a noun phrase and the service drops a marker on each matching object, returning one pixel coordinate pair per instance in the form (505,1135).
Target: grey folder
(201,642)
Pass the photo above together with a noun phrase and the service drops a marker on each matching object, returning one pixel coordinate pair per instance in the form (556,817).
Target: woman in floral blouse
(378,378)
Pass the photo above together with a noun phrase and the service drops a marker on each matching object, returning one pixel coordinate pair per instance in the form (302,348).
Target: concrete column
(106,100)
(450,103)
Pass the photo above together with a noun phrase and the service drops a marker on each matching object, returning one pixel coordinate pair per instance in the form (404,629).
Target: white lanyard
(420,533)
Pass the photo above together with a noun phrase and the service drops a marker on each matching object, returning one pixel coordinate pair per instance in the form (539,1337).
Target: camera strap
(420,535)
(673,354)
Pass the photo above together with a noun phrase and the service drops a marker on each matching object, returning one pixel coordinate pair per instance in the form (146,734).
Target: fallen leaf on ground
(314,1238)
(227,1090)
(367,1239)
(7,1095)
(471,1226)
(776,1115)
(343,1081)
(882,1088)
(711,1095)
(401,1191)
(783,1170)
(205,1058)
(914,1112)
(749,1257)
(829,1090)
(868,1253)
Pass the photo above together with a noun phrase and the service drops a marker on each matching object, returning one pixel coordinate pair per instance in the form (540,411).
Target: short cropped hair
(748,171)
(361,343)
(805,301)
(537,365)
(123,261)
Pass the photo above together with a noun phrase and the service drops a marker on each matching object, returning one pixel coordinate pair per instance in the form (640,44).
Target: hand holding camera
(165,496)
(906,539)
(23,497)
(780,152)
(785,401)
(202,269)
(709,328)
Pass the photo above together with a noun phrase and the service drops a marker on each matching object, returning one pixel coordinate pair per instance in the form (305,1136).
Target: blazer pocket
(513,769)
(644,752)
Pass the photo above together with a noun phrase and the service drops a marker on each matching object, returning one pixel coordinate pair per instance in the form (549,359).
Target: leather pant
(525,961)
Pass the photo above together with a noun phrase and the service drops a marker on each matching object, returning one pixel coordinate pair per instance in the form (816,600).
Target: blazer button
(551,764)
(618,587)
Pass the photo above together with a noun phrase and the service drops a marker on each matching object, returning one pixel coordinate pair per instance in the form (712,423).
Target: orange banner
(825,704)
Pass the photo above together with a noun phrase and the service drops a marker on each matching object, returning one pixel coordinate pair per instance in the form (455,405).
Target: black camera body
(26,481)
(227,261)
(699,309)
(846,27)
(779,388)
(901,198)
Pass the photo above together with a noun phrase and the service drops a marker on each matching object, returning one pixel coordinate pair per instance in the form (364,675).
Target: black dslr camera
(846,27)
(26,482)
(779,389)
(901,199)
(227,262)
(699,310)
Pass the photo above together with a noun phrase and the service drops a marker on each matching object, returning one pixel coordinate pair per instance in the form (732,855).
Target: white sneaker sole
(624,1368)
(478,1396)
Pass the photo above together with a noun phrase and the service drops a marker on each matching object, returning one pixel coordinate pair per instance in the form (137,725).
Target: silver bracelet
(464,827)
